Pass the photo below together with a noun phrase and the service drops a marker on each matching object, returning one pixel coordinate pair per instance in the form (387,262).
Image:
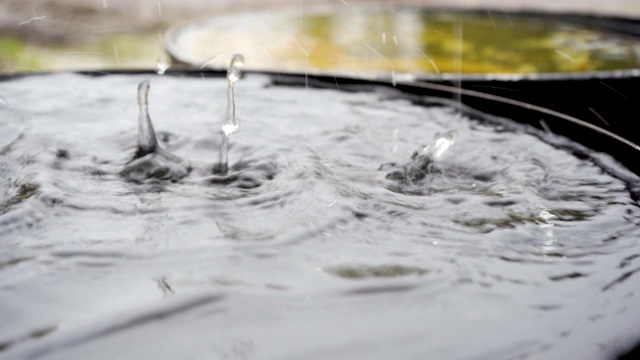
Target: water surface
(509,247)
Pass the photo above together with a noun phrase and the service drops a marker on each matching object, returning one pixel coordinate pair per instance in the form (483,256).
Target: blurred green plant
(113,51)
(14,52)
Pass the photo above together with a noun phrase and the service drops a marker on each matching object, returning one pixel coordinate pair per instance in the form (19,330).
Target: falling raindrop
(162,64)
(396,138)
(116,55)
(565,55)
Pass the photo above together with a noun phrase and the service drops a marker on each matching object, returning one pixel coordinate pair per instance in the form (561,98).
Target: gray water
(507,248)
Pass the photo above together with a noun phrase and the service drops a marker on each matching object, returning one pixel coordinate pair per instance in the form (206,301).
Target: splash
(421,162)
(147,142)
(230,123)
(439,146)
(150,160)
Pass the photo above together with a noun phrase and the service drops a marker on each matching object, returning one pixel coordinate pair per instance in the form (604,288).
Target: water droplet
(440,145)
(162,64)
(231,124)
(230,128)
(421,162)
(234,73)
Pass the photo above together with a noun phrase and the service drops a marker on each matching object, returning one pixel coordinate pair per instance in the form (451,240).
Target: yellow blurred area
(113,34)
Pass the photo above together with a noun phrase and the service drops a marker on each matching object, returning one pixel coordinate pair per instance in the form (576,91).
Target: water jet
(150,160)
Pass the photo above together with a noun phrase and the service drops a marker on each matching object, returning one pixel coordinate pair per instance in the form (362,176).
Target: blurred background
(40,35)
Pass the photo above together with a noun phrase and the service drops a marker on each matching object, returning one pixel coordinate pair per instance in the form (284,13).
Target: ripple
(377,290)
(353,272)
(23,193)
(155,166)
(36,334)
(506,230)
